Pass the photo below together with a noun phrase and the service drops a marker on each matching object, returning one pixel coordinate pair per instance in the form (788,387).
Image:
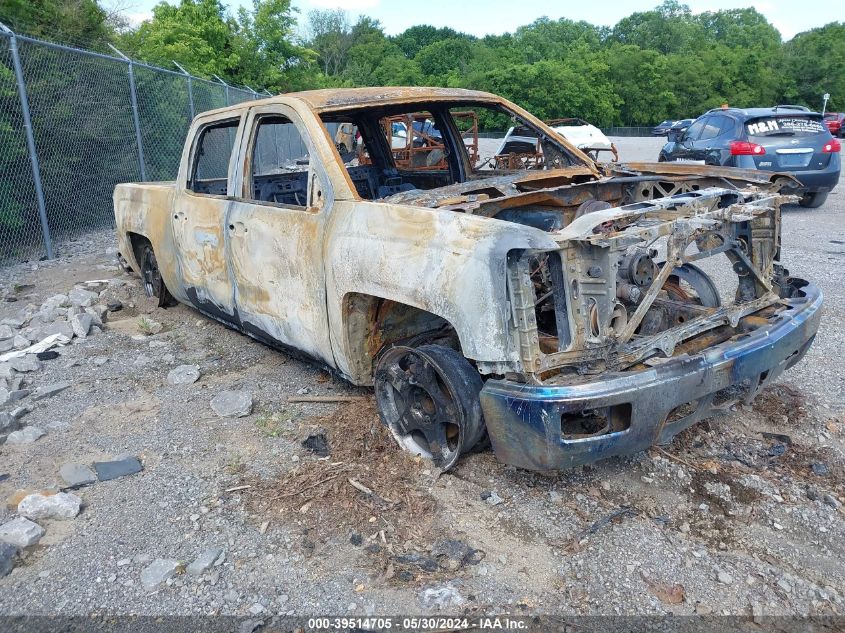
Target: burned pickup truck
(559,309)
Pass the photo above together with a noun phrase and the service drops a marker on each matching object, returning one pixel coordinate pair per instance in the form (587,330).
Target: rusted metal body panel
(548,282)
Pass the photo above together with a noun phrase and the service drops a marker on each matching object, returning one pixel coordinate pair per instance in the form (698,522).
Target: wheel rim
(151,275)
(419,406)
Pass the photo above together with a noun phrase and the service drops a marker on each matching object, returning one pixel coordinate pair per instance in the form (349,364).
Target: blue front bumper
(644,407)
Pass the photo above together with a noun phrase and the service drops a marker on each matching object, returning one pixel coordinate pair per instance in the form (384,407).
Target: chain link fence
(75,123)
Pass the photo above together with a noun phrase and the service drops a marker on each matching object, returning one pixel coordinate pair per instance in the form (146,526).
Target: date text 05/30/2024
(418,623)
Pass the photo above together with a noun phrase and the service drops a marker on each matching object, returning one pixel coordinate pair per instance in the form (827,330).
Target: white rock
(62,505)
(81,324)
(725,578)
(446,596)
(183,375)
(21,532)
(83,298)
(6,332)
(158,572)
(56,301)
(232,404)
(26,435)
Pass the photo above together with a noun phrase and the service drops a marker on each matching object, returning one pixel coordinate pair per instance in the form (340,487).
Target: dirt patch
(781,401)
(366,485)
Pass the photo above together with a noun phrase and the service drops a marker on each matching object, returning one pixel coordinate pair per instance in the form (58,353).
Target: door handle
(179,215)
(237,228)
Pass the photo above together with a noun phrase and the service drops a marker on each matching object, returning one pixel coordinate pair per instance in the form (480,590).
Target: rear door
(199,215)
(793,142)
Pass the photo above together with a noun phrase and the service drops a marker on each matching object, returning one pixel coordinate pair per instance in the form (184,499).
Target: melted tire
(428,396)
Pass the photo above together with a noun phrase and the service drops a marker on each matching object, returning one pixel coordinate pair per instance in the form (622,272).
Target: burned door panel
(275,237)
(199,218)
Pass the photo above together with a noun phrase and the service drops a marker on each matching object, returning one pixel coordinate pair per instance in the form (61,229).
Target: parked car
(787,139)
(662,128)
(680,126)
(532,307)
(835,122)
(523,143)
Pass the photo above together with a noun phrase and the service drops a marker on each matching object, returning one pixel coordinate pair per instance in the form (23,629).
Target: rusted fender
(452,265)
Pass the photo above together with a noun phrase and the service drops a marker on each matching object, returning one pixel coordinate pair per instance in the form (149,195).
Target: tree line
(666,63)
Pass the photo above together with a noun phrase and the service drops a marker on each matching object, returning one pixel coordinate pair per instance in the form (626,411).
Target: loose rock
(441,597)
(81,324)
(62,505)
(7,558)
(48,391)
(21,532)
(157,572)
(204,561)
(26,435)
(232,404)
(183,375)
(25,363)
(118,468)
(82,298)
(77,475)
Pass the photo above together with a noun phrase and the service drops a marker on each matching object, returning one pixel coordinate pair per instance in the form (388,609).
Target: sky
(482,17)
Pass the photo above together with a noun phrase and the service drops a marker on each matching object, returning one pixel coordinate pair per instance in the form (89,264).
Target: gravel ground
(723,520)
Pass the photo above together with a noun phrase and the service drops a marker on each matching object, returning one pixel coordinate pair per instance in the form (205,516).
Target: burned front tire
(428,397)
(151,276)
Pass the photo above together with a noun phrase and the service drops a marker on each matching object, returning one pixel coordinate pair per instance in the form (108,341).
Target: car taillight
(746,148)
(832,146)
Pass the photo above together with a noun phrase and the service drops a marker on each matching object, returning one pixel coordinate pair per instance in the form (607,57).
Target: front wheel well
(371,324)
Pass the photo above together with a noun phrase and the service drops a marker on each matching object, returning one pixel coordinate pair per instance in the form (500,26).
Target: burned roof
(329,99)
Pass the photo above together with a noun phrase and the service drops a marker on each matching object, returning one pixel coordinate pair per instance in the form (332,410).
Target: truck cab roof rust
(561,281)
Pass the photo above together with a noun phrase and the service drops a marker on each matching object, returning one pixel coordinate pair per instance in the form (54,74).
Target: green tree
(815,64)
(199,34)
(79,22)
(668,28)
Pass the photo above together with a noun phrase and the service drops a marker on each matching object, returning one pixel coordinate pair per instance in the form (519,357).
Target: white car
(583,135)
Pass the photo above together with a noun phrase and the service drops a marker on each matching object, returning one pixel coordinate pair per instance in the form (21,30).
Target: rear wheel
(813,200)
(428,397)
(662,158)
(151,276)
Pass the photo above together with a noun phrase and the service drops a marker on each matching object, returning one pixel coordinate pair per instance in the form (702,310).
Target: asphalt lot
(724,520)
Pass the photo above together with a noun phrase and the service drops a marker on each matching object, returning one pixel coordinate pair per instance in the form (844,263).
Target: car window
(712,125)
(279,163)
(694,130)
(212,153)
(800,126)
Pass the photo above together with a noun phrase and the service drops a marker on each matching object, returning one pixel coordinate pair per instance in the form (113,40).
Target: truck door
(275,232)
(199,217)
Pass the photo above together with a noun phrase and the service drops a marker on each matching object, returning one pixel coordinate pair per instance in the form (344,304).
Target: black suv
(788,139)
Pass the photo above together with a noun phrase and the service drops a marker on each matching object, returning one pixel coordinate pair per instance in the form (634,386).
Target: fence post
(190,89)
(227,88)
(133,99)
(30,138)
